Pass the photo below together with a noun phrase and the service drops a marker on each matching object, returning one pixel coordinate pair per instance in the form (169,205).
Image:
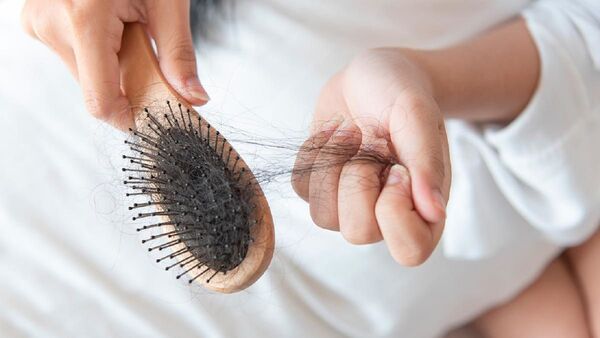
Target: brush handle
(141,77)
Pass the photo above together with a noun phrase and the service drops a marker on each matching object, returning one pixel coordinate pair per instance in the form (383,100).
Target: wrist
(421,61)
(444,83)
(488,79)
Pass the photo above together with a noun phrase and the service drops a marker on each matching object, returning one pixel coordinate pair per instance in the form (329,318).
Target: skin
(395,100)
(583,261)
(399,98)
(87,35)
(391,100)
(551,307)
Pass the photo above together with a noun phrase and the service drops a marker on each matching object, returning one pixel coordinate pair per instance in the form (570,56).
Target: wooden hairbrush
(207,212)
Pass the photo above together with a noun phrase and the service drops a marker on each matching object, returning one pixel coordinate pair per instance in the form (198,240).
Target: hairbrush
(201,202)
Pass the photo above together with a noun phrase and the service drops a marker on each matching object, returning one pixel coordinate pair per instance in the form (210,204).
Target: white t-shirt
(71,262)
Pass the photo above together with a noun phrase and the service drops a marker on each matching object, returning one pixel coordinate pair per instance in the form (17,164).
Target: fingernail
(397,175)
(439,201)
(196,90)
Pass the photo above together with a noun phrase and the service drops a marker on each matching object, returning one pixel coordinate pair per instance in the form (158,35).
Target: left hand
(381,102)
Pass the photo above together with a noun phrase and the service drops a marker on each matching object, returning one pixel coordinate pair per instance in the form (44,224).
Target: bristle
(155,225)
(201,202)
(236,162)
(190,125)
(188,270)
(228,155)
(163,246)
(182,118)
(213,275)
(186,261)
(198,275)
(188,258)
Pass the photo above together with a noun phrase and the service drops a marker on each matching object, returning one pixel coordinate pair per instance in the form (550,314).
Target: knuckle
(360,233)
(413,256)
(436,166)
(67,4)
(183,52)
(137,10)
(26,21)
(369,56)
(35,24)
(80,12)
(416,102)
(300,183)
(407,248)
(98,113)
(323,221)
(97,108)
(367,62)
(77,18)
(344,143)
(323,217)
(41,29)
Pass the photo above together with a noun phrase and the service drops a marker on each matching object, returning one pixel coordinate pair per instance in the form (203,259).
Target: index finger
(99,75)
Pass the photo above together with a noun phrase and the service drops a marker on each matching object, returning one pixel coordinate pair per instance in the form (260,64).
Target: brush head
(202,196)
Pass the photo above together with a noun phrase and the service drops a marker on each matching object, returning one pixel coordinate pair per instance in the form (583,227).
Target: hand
(382,103)
(86,34)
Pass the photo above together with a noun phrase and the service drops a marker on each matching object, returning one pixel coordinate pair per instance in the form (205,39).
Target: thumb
(408,237)
(169,25)
(417,133)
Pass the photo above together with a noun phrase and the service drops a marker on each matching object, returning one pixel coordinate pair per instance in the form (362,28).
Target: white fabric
(71,262)
(546,164)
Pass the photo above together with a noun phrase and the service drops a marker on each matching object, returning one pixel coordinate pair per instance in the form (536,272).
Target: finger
(421,150)
(169,25)
(132,10)
(98,68)
(359,187)
(26,23)
(408,237)
(65,52)
(306,157)
(67,55)
(52,31)
(329,113)
(325,174)
(447,164)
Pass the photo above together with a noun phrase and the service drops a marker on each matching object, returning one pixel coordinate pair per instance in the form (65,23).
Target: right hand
(86,34)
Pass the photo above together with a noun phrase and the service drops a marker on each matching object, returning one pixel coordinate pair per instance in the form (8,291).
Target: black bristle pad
(184,171)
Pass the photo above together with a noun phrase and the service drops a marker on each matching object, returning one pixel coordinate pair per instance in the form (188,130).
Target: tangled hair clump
(190,183)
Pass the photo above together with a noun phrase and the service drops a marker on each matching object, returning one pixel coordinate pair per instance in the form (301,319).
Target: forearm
(489,78)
